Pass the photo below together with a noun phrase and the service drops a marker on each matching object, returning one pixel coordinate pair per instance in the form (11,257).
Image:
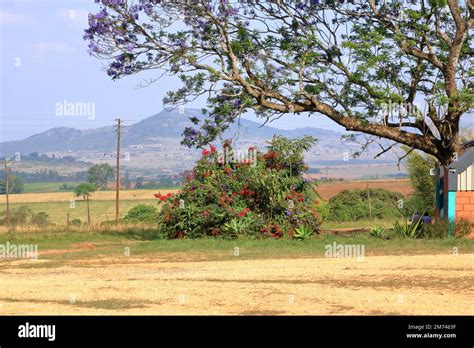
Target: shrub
(408,230)
(462,228)
(40,219)
(377,232)
(439,229)
(263,196)
(76,222)
(353,205)
(142,213)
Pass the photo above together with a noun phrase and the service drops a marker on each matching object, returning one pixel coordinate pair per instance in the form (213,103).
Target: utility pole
(6,192)
(117,178)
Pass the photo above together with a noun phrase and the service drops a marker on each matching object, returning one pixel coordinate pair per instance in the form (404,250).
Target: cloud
(9,18)
(52,47)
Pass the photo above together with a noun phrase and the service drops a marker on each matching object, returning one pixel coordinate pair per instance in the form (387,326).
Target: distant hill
(166,124)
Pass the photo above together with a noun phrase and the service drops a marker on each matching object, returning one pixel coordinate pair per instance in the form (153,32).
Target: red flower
(228,170)
(213,148)
(205,152)
(163,197)
(243,212)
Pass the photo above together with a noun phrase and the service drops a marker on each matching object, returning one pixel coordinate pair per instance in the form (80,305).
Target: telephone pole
(6,192)
(117,178)
(370,205)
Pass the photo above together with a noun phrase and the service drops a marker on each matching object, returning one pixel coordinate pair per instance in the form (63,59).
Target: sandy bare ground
(421,284)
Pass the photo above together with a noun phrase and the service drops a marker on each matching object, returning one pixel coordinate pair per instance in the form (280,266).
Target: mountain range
(166,124)
(151,147)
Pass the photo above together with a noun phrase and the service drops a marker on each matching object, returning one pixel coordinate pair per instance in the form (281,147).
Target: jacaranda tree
(365,64)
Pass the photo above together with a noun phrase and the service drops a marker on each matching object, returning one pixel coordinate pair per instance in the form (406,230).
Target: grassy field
(102,205)
(111,243)
(101,210)
(43,187)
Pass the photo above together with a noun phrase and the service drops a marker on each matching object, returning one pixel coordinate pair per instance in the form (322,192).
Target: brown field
(330,189)
(326,190)
(182,284)
(67,196)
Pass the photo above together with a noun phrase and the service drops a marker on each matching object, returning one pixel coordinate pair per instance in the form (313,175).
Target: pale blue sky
(44,37)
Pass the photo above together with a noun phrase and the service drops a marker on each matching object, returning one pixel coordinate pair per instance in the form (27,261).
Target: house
(455,188)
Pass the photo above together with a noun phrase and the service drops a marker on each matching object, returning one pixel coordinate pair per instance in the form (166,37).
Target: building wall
(466,179)
(465,206)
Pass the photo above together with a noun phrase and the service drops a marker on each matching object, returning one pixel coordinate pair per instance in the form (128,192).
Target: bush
(440,229)
(76,222)
(40,219)
(142,213)
(353,205)
(23,215)
(462,228)
(263,196)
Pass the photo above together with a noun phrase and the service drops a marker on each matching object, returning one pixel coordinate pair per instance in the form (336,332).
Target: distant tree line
(35,156)
(15,185)
(45,175)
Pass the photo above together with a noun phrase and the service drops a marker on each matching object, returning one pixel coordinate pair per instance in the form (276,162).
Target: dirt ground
(418,284)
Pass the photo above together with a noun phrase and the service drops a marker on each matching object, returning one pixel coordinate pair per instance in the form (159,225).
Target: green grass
(368,224)
(114,244)
(41,187)
(100,210)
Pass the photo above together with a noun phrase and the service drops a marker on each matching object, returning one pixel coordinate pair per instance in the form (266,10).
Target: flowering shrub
(268,198)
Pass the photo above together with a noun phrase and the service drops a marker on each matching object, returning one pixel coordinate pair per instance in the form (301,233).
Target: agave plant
(408,230)
(303,233)
(377,232)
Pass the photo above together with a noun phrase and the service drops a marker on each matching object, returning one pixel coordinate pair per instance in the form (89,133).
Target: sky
(44,65)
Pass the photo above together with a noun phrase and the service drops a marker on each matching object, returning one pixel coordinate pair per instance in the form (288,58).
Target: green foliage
(408,230)
(142,213)
(303,233)
(15,185)
(20,216)
(322,208)
(100,174)
(423,197)
(85,190)
(40,219)
(439,229)
(23,216)
(353,205)
(262,196)
(377,232)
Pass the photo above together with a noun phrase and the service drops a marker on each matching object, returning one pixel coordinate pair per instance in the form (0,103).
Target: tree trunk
(88,213)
